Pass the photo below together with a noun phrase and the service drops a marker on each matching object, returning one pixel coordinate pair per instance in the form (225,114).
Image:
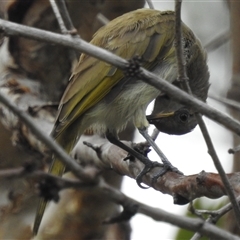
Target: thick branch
(182,188)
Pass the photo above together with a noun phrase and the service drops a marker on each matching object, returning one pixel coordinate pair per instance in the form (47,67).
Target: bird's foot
(149,165)
(167,166)
(132,155)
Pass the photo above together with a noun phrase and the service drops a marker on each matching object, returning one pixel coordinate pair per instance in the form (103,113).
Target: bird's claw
(148,166)
(165,168)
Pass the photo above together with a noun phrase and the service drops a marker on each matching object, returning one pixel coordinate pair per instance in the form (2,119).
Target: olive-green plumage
(99,97)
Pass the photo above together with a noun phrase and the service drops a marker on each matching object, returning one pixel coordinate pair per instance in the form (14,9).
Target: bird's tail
(67,140)
(57,168)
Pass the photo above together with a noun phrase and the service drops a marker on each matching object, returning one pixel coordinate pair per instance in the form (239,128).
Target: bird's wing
(150,37)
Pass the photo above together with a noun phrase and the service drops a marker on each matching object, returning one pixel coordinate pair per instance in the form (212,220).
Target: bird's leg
(148,163)
(166,164)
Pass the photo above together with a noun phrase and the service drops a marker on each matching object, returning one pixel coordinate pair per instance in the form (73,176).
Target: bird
(101,98)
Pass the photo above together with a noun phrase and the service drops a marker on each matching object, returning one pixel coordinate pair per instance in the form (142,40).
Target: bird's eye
(183,117)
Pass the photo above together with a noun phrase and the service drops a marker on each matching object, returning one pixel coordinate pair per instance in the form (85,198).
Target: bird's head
(172,117)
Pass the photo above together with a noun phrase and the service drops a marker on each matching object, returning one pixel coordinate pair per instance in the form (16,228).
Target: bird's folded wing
(92,79)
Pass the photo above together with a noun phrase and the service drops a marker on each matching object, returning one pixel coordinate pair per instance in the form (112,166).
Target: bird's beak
(164,115)
(159,116)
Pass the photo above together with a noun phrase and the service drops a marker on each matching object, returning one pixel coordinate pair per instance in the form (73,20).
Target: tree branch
(58,17)
(157,214)
(218,41)
(150,4)
(108,156)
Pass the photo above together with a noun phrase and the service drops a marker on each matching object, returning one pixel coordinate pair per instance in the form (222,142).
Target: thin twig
(232,104)
(58,17)
(182,73)
(150,4)
(194,211)
(62,183)
(218,165)
(13,173)
(102,19)
(198,235)
(229,102)
(218,41)
(174,92)
(215,215)
(64,20)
